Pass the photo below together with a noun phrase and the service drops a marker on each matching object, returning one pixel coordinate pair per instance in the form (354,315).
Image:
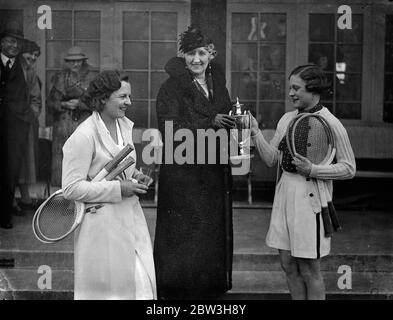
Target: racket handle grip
(123,166)
(113,163)
(118,158)
(101,175)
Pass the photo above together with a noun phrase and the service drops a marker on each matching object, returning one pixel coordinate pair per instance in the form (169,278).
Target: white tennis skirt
(293,225)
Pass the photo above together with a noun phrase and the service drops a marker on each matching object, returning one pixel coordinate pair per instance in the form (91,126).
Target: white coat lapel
(103,135)
(126,126)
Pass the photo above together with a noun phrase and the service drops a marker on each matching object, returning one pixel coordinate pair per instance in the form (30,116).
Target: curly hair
(314,77)
(101,87)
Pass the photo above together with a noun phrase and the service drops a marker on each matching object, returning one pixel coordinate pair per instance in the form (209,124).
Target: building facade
(259,42)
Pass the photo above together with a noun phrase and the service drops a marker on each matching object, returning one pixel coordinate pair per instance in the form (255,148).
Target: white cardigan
(345,167)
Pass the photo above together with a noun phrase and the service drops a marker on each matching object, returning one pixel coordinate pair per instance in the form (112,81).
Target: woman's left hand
(303,165)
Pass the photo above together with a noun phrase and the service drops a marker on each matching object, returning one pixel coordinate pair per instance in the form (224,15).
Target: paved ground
(365,245)
(364,232)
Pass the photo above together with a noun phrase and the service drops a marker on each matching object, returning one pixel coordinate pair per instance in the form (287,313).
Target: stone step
(272,285)
(57,260)
(21,284)
(63,260)
(357,262)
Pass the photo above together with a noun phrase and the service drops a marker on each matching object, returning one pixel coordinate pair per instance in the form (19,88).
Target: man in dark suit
(15,118)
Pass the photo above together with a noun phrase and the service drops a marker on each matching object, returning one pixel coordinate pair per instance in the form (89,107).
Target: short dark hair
(101,87)
(314,77)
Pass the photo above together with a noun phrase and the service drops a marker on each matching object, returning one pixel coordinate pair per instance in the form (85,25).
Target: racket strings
(318,141)
(309,137)
(57,217)
(301,136)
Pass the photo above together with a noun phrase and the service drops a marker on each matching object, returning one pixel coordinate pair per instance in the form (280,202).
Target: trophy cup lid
(237,107)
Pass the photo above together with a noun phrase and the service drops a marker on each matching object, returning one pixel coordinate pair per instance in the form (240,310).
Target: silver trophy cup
(241,134)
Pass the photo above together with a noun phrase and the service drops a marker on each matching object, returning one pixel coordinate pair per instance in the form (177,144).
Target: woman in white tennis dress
(296,226)
(113,251)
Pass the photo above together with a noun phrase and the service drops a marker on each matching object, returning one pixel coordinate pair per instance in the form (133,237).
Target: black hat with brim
(193,38)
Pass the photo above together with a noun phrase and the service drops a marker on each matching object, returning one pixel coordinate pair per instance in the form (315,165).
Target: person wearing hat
(193,247)
(30,52)
(64,105)
(16,117)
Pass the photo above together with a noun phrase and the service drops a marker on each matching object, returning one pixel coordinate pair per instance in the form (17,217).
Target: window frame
(290,59)
(181,8)
(298,43)
(379,32)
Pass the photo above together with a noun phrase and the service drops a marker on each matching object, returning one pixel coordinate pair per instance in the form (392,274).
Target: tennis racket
(317,144)
(310,136)
(58,217)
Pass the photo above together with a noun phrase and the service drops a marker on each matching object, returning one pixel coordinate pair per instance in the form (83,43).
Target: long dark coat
(194,238)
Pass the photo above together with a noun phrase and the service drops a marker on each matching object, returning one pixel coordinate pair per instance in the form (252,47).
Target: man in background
(16,117)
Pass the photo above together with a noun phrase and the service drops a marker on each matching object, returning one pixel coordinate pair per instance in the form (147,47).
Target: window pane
(164,26)
(161,53)
(61,25)
(348,110)
(388,88)
(351,56)
(389,58)
(135,55)
(322,27)
(87,25)
(328,96)
(270,113)
(272,86)
(244,85)
(138,113)
(272,27)
(389,28)
(322,55)
(11,16)
(139,85)
(353,35)
(92,51)
(244,57)
(348,87)
(55,52)
(244,27)
(157,79)
(273,57)
(136,25)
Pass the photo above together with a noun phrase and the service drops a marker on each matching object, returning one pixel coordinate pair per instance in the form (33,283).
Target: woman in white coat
(296,226)
(113,251)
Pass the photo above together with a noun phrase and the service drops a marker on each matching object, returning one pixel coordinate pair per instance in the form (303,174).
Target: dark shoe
(6,225)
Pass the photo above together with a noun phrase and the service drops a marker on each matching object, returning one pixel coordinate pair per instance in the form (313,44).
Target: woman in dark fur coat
(193,240)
